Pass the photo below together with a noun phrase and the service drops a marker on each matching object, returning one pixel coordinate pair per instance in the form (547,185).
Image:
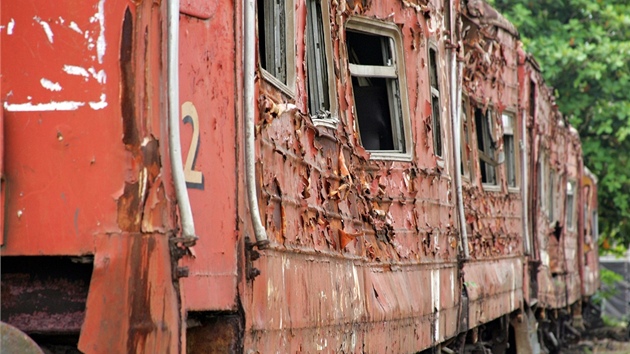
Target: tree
(583,47)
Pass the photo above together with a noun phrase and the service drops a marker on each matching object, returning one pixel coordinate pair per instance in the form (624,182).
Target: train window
(570,205)
(510,152)
(435,102)
(486,147)
(595,227)
(465,142)
(532,98)
(275,42)
(550,193)
(378,83)
(540,181)
(321,101)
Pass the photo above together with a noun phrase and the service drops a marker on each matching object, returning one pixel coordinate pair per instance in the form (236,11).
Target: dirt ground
(606,340)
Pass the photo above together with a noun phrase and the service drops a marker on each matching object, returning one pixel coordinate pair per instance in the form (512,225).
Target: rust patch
(140,322)
(130,130)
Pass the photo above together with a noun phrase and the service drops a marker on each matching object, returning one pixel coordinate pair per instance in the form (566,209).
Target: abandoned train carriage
(286,176)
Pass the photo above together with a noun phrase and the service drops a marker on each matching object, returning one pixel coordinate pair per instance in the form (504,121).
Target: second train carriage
(363,177)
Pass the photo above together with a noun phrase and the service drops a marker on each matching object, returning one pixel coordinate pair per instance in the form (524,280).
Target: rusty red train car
(286,176)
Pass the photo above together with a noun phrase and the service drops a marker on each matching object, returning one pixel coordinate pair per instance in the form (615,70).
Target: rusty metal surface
(208,83)
(363,253)
(493,214)
(590,273)
(132,306)
(494,288)
(557,246)
(59,83)
(84,109)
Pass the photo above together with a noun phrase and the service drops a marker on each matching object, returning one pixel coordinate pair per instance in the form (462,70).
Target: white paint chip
(101,104)
(49,85)
(76,70)
(46,28)
(10,27)
(73,26)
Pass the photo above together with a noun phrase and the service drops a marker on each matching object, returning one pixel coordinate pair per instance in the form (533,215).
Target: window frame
(513,132)
(435,93)
(486,141)
(331,118)
(288,87)
(373,27)
(551,183)
(466,167)
(570,217)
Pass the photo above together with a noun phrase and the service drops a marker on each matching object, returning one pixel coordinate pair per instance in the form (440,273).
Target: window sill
(491,187)
(286,90)
(514,189)
(389,156)
(329,122)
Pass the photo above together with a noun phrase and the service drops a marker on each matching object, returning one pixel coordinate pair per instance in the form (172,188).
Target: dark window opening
(508,145)
(435,102)
(317,68)
(486,147)
(532,98)
(272,38)
(376,92)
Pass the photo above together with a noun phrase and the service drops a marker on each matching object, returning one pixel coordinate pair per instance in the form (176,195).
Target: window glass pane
(272,37)
(317,69)
(508,146)
(435,103)
(487,159)
(510,163)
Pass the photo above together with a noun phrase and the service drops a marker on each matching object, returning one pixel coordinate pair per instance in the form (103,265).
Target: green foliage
(609,285)
(583,47)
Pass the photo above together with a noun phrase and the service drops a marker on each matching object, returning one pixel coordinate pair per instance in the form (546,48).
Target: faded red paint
(208,81)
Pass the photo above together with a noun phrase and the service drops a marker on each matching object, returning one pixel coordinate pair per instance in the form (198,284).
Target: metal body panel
(208,90)
(590,274)
(60,72)
(365,243)
(494,288)
(131,276)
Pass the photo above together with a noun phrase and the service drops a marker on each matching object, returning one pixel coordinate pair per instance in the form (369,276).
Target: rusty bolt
(253,273)
(182,272)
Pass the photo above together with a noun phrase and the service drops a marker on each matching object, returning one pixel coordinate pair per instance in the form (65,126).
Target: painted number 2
(194,179)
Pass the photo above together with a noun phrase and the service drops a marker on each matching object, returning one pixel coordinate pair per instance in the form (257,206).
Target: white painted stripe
(42,107)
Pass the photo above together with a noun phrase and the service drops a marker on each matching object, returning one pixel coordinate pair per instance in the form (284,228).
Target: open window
(378,83)
(322,103)
(570,209)
(486,147)
(509,146)
(276,42)
(435,102)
